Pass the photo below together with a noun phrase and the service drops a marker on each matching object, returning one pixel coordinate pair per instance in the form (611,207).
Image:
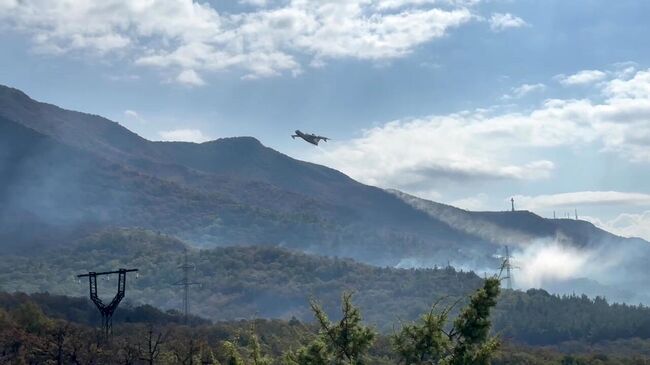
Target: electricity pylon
(186,283)
(508,267)
(107,310)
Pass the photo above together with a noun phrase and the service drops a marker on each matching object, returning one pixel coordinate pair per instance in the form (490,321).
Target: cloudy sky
(468,102)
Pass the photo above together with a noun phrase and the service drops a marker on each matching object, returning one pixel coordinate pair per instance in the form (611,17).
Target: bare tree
(152,343)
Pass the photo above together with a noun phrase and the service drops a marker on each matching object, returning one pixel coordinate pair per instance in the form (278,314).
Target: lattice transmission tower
(186,284)
(508,267)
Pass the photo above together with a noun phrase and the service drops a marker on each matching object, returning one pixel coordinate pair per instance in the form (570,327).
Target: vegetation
(28,335)
(273,283)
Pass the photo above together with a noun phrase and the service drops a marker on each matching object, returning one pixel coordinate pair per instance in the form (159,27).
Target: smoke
(544,262)
(604,266)
(613,270)
(465,221)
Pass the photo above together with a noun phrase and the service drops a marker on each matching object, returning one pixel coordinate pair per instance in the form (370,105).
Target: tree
(232,354)
(315,353)
(57,340)
(206,356)
(344,342)
(151,348)
(472,328)
(467,343)
(255,348)
(425,342)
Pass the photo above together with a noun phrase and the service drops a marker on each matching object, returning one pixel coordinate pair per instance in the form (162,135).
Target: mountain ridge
(236,191)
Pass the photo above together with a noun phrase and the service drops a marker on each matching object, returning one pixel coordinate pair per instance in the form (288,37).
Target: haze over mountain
(65,173)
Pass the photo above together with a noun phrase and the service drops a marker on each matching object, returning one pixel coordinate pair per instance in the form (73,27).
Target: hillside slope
(226,192)
(73,171)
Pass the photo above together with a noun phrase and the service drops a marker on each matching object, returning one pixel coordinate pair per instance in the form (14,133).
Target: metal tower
(508,267)
(107,310)
(186,283)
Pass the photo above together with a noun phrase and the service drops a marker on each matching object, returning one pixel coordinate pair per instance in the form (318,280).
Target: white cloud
(190,77)
(183,135)
(273,38)
(476,203)
(410,154)
(418,154)
(626,224)
(582,198)
(503,21)
(583,77)
(523,90)
(254,2)
(132,115)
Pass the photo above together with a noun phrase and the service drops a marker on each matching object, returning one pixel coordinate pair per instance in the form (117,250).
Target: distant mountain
(64,174)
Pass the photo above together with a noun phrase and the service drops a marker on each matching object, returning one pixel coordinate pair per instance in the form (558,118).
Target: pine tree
(467,343)
(344,342)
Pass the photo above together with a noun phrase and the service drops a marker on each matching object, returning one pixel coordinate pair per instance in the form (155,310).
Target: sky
(466,102)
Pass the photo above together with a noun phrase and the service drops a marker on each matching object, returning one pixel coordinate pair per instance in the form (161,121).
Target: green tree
(315,353)
(31,317)
(344,342)
(256,356)
(467,343)
(425,342)
(232,354)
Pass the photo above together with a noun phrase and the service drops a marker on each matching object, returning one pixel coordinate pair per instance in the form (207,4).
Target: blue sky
(466,102)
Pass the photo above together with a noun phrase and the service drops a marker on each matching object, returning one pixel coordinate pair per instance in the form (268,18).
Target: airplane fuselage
(311,138)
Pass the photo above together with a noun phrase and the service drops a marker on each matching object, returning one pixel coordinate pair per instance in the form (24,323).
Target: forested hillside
(274,283)
(43,328)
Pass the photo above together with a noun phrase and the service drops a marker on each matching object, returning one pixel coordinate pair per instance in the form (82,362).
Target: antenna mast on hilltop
(186,283)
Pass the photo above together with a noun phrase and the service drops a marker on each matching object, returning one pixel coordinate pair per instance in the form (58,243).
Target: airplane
(311,138)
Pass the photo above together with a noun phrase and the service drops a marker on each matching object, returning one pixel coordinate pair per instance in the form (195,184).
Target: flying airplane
(311,138)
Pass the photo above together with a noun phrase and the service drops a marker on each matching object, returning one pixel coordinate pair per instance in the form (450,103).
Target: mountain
(65,174)
(64,170)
